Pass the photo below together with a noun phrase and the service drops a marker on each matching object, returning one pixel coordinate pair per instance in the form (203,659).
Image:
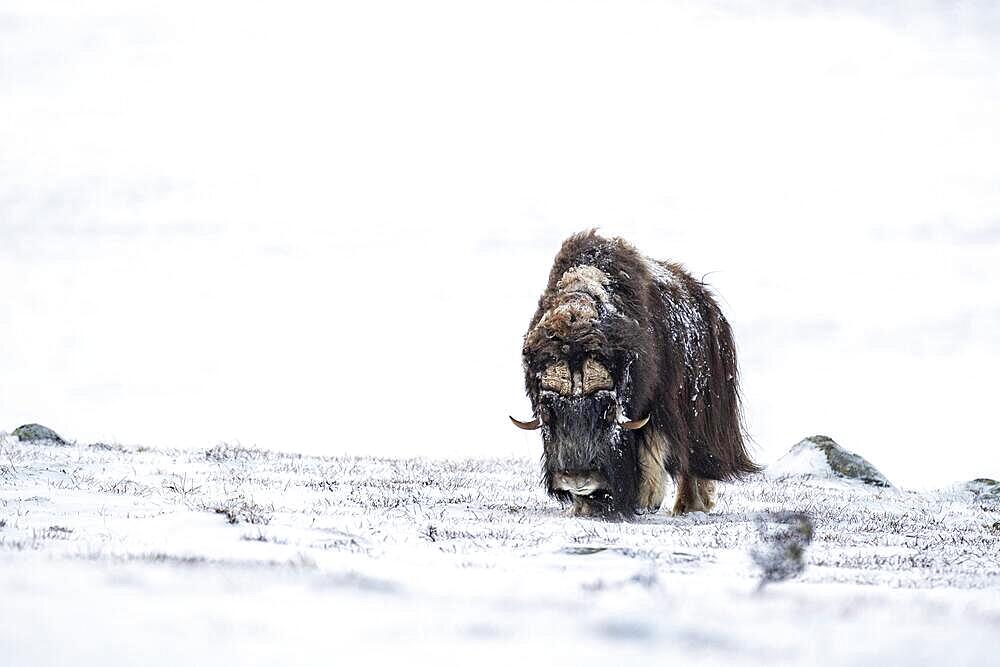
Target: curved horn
(527,426)
(635,425)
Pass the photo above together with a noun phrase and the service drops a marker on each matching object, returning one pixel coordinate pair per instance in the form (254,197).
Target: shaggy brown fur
(618,336)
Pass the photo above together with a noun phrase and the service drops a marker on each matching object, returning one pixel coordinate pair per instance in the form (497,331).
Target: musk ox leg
(652,471)
(693,495)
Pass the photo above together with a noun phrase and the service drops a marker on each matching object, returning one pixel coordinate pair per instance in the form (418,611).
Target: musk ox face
(579,410)
(584,433)
(578,436)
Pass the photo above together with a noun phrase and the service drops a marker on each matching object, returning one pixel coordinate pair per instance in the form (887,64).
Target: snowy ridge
(260,557)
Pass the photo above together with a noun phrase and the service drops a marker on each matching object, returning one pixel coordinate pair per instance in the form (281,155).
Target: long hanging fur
(670,354)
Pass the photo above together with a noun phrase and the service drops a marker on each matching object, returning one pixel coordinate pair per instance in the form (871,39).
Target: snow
(112,555)
(660,272)
(802,461)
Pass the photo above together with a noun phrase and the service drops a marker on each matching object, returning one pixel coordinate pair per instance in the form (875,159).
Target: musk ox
(631,371)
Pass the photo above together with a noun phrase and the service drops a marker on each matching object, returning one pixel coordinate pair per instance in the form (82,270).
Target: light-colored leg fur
(706,489)
(694,495)
(652,472)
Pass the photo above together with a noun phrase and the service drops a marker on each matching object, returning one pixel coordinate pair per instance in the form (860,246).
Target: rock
(984,489)
(821,456)
(38,433)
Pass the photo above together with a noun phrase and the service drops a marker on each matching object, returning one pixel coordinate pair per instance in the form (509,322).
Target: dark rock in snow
(841,462)
(984,489)
(38,433)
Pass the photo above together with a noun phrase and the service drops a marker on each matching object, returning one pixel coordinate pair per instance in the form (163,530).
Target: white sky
(325,228)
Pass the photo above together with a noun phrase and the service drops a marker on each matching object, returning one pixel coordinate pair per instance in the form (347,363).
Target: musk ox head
(576,375)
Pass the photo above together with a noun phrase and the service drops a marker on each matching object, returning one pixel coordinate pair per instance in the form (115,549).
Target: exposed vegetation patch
(125,487)
(243,510)
(181,485)
(107,447)
(225,452)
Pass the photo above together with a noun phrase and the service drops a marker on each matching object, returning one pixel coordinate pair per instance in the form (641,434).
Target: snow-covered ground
(121,556)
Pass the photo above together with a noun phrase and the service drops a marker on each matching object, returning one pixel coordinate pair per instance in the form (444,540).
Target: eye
(595,376)
(556,378)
